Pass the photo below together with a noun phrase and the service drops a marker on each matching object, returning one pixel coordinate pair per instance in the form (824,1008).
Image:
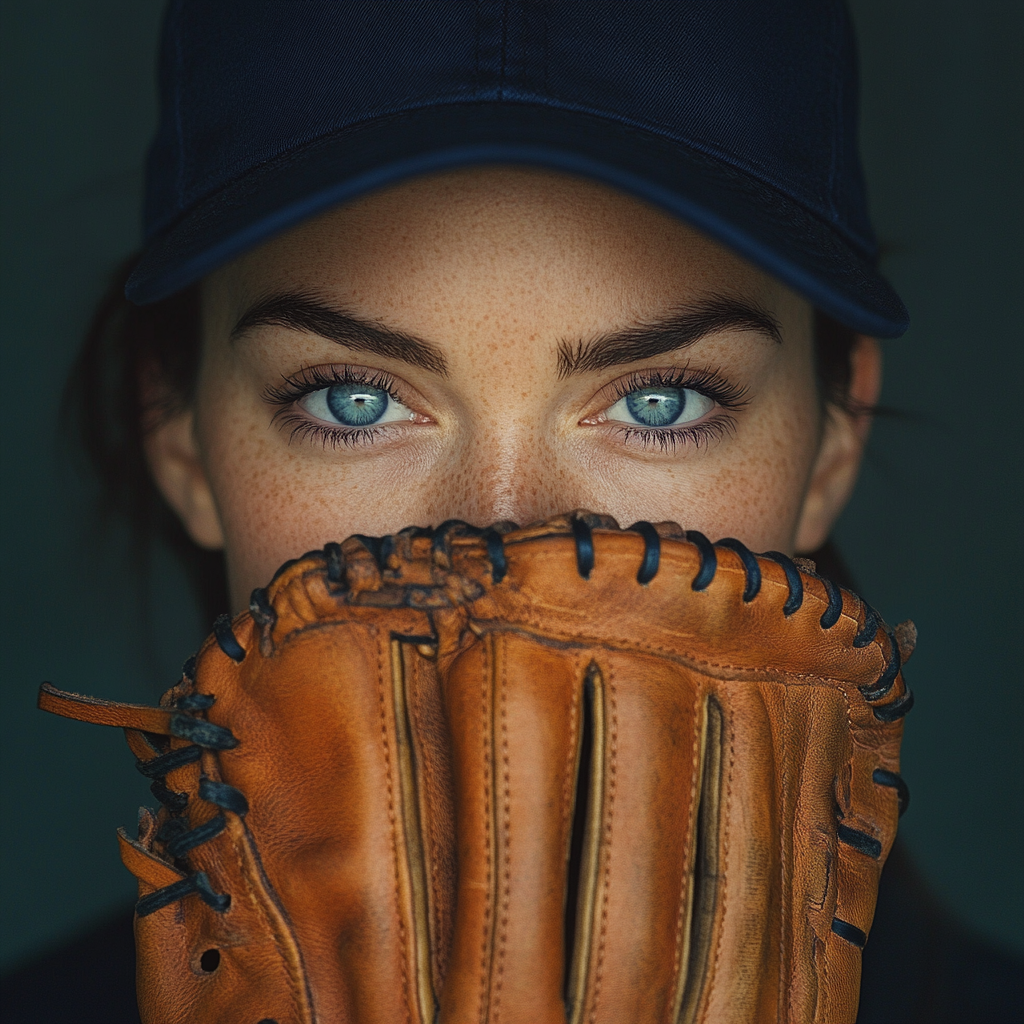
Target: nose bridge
(512,472)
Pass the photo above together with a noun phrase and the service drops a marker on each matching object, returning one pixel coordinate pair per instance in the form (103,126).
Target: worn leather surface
(437,765)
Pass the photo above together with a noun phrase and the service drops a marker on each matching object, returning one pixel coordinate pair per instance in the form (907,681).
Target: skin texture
(498,270)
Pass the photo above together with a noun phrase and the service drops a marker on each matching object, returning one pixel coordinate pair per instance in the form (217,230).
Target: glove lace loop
(706,571)
(177,837)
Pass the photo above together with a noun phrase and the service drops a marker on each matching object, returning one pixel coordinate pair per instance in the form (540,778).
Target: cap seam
(179,184)
(504,50)
(837,112)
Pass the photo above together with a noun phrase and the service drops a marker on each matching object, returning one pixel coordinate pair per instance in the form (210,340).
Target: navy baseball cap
(739,117)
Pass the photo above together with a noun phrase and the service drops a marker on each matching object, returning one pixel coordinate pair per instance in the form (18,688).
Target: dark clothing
(90,980)
(920,967)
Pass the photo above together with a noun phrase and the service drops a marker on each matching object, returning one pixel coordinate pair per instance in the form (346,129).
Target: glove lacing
(179,839)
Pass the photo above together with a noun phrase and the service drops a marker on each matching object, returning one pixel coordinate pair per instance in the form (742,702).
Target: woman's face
(494,344)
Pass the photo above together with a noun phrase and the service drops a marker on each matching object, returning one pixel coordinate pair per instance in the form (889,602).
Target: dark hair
(138,365)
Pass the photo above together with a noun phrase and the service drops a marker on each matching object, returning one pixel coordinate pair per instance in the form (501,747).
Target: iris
(356,405)
(656,407)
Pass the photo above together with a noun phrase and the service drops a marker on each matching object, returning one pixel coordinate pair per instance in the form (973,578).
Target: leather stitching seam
(538,631)
(613,752)
(724,873)
(506,827)
(429,839)
(687,894)
(393,820)
(485,734)
(783,995)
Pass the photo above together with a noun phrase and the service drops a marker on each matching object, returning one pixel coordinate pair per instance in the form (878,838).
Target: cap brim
(760,223)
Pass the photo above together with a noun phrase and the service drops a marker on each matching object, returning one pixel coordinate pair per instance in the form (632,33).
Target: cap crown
(768,88)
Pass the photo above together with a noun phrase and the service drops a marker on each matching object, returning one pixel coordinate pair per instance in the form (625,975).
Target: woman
(502,325)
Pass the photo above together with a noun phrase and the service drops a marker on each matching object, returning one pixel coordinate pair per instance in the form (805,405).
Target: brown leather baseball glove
(519,775)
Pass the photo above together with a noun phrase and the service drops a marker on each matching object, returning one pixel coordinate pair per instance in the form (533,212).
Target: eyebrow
(668,334)
(313,316)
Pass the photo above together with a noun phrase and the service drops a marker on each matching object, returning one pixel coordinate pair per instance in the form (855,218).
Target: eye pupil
(656,408)
(356,405)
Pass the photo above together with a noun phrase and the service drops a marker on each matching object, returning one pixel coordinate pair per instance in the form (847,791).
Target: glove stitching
(851,761)
(568,775)
(506,828)
(429,838)
(724,874)
(708,667)
(392,819)
(863,755)
(788,896)
(485,734)
(612,767)
(246,854)
(709,567)
(543,628)
(686,895)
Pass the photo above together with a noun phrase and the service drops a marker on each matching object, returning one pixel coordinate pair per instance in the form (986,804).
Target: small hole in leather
(210,960)
(267,1020)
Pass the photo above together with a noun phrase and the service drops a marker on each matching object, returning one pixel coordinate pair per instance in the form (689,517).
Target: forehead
(526,241)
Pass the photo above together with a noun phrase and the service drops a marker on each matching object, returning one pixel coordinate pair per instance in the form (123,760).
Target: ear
(179,474)
(842,446)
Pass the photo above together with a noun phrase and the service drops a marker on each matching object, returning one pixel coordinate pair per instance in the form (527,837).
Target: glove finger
(636,886)
(321,759)
(514,710)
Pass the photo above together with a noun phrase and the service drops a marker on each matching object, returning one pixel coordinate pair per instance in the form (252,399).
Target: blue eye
(355,405)
(656,408)
(660,407)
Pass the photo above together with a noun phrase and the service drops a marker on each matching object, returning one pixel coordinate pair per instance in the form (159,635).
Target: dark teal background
(933,532)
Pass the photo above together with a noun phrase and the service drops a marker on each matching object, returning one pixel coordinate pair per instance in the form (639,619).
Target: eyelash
(310,379)
(729,396)
(711,383)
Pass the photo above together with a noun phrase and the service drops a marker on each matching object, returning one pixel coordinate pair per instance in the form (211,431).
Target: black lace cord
(867,632)
(174,802)
(381,547)
(883,777)
(751,567)
(198,883)
(195,702)
(226,639)
(793,581)
(652,551)
(495,544)
(869,846)
(335,562)
(202,732)
(441,539)
(865,635)
(897,709)
(584,538)
(178,843)
(850,932)
(860,841)
(880,688)
(830,616)
(261,610)
(174,833)
(220,794)
(883,684)
(158,767)
(708,560)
